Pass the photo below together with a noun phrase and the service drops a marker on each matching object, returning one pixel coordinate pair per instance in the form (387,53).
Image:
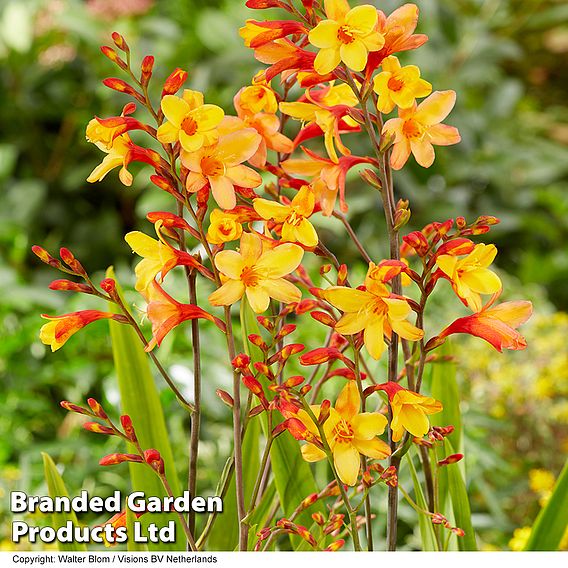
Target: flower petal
(227,294)
(168,133)
(374,337)
(354,54)
(349,401)
(423,152)
(324,34)
(312,453)
(282,290)
(326,60)
(350,323)
(374,448)
(237,147)
(367,425)
(174,109)
(443,134)
(230,263)
(243,176)
(269,209)
(347,463)
(435,108)
(281,260)
(347,299)
(362,18)
(223,191)
(258,298)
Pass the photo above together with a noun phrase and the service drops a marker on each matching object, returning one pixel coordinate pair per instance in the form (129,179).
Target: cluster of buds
(438,519)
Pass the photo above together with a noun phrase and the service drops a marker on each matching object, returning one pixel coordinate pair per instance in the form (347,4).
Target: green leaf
(56,488)
(426,529)
(141,401)
(225,532)
(460,502)
(552,520)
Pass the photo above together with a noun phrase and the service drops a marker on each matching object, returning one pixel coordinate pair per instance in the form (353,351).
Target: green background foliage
(505,59)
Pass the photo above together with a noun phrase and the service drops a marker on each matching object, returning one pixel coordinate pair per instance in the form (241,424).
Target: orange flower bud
(120,42)
(325,410)
(318,518)
(456,247)
(255,339)
(370,177)
(296,428)
(417,241)
(69,259)
(44,256)
(324,317)
(98,428)
(241,361)
(69,286)
(309,500)
(286,329)
(342,275)
(114,459)
(153,458)
(457,531)
(293,381)
(255,387)
(291,349)
(305,390)
(305,306)
(113,56)
(265,322)
(109,286)
(335,546)
(264,369)
(325,269)
(174,82)
(320,355)
(97,408)
(123,87)
(146,67)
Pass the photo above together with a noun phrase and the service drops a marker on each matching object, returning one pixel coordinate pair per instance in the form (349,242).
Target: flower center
(211,167)
(412,129)
(395,84)
(294,219)
(250,276)
(345,35)
(189,125)
(226,227)
(343,432)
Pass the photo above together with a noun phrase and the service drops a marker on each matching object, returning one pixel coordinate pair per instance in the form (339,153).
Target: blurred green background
(506,60)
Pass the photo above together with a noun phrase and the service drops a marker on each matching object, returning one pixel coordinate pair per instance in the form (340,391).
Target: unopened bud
(97,408)
(75,408)
(225,397)
(69,259)
(417,241)
(114,459)
(98,428)
(291,349)
(453,458)
(69,286)
(153,458)
(128,428)
(318,518)
(44,256)
(325,411)
(120,42)
(342,275)
(305,306)
(174,82)
(324,318)
(387,140)
(241,361)
(325,269)
(401,218)
(255,339)
(265,322)
(335,546)
(285,330)
(113,56)
(147,65)
(370,177)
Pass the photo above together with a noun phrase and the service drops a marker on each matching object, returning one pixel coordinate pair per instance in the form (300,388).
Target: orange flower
(409,410)
(497,325)
(224,227)
(348,433)
(419,127)
(294,217)
(258,274)
(470,276)
(374,310)
(165,313)
(328,177)
(221,165)
(61,328)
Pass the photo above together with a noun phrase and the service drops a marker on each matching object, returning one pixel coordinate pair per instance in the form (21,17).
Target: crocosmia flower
(470,276)
(348,432)
(117,153)
(60,328)
(258,274)
(189,121)
(224,227)
(294,217)
(418,128)
(375,311)
(221,165)
(347,35)
(410,411)
(399,86)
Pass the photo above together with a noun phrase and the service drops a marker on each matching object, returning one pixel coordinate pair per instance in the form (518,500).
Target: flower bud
(146,67)
(335,546)
(324,318)
(69,286)
(174,82)
(342,275)
(305,390)
(417,241)
(320,355)
(255,339)
(285,330)
(153,458)
(123,87)
(453,458)
(114,459)
(265,322)
(325,269)
(44,256)
(241,361)
(309,501)
(97,408)
(370,177)
(113,56)
(120,42)
(325,411)
(69,259)
(75,408)
(264,369)
(318,518)
(225,397)
(305,306)
(98,428)
(291,349)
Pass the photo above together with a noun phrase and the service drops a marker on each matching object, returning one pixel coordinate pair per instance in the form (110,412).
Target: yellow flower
(374,310)
(258,97)
(470,276)
(221,166)
(158,256)
(190,121)
(117,151)
(348,433)
(398,85)
(257,273)
(347,35)
(409,413)
(224,227)
(520,539)
(417,128)
(295,225)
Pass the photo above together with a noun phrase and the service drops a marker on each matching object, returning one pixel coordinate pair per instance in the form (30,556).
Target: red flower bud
(453,458)
(318,518)
(417,241)
(109,286)
(255,339)
(291,349)
(44,256)
(69,286)
(324,317)
(153,458)
(113,56)
(69,259)
(342,275)
(123,87)
(120,42)
(128,427)
(265,323)
(225,397)
(320,355)
(293,381)
(456,247)
(241,361)
(75,408)
(146,67)
(286,329)
(304,306)
(335,546)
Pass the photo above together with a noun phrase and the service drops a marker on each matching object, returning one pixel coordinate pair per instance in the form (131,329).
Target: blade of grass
(140,399)
(426,529)
(552,521)
(56,488)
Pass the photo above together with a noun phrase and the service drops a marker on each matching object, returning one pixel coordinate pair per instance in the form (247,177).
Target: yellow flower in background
(347,35)
(541,482)
(348,433)
(294,217)
(117,151)
(224,227)
(399,86)
(189,121)
(470,276)
(418,128)
(221,165)
(258,274)
(373,310)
